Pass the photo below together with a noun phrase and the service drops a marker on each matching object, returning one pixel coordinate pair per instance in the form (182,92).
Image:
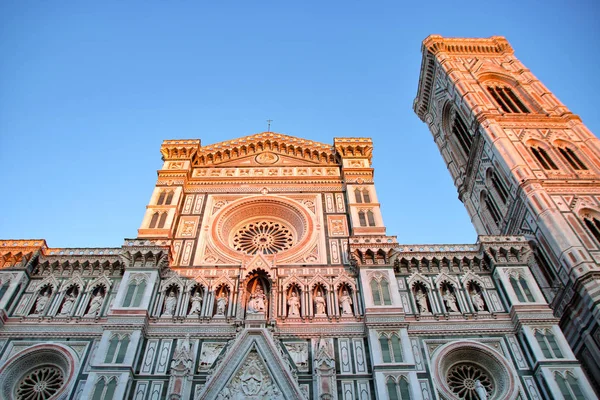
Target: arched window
(507,99)
(135,293)
(163,219)
(460,131)
(161,198)
(498,186)
(169,198)
(366,196)
(593,225)
(543,158)
(154,220)
(572,158)
(400,390)
(104,391)
(358,195)
(117,349)
(362,220)
(521,289)
(376,291)
(391,350)
(492,209)
(381,292)
(548,344)
(569,387)
(392,390)
(371,218)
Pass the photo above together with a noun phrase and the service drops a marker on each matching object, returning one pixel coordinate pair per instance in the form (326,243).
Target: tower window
(165,198)
(163,219)
(543,158)
(102,390)
(398,391)
(459,130)
(499,186)
(370,218)
(154,220)
(493,210)
(572,158)
(366,196)
(521,289)
(117,348)
(593,225)
(569,387)
(358,195)
(169,198)
(381,292)
(390,348)
(362,219)
(507,100)
(548,344)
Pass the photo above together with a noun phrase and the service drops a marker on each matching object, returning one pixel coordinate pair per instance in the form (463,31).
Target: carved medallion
(266,158)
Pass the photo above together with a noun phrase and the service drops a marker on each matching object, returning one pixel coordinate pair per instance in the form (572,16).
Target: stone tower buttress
(524,164)
(165,203)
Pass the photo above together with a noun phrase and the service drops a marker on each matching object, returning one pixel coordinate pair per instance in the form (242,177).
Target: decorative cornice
(495,45)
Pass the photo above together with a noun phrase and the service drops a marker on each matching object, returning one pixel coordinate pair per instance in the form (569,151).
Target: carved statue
(450,300)
(257,301)
(41,302)
(346,303)
(480,390)
(294,305)
(170,303)
(320,306)
(299,354)
(196,304)
(95,305)
(421,297)
(67,305)
(221,304)
(478,302)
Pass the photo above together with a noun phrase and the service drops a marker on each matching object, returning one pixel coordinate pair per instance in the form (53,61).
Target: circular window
(462,379)
(465,369)
(266,237)
(40,372)
(40,384)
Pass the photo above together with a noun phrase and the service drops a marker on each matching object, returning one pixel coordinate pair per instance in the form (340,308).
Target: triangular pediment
(266,148)
(253,368)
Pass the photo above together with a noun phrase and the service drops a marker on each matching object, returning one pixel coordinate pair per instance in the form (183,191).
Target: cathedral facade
(262,268)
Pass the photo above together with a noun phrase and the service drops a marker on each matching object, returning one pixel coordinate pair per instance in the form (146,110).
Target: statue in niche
(221,304)
(477,299)
(257,302)
(294,305)
(346,303)
(480,390)
(320,306)
(299,354)
(41,302)
(421,298)
(68,304)
(196,301)
(95,305)
(170,303)
(450,301)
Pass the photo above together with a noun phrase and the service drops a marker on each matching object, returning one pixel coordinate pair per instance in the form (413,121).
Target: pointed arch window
(370,218)
(548,344)
(507,100)
(165,197)
(358,195)
(543,158)
(117,349)
(569,387)
(154,220)
(135,293)
(161,197)
(366,196)
(163,219)
(521,288)
(362,219)
(460,131)
(399,390)
(570,156)
(493,209)
(103,390)
(381,292)
(498,185)
(593,225)
(391,349)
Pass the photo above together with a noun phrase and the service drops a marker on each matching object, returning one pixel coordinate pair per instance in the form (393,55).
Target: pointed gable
(266,148)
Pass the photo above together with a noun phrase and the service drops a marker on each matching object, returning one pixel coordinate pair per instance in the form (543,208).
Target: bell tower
(523,164)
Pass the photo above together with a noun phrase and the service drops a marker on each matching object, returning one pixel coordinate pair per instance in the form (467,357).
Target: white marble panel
(164,356)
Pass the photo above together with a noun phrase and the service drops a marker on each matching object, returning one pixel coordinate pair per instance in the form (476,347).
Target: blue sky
(88,91)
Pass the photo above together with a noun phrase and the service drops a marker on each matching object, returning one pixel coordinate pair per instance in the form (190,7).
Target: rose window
(40,384)
(266,237)
(462,380)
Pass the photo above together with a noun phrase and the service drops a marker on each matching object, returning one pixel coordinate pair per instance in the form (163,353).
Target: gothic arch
(100,281)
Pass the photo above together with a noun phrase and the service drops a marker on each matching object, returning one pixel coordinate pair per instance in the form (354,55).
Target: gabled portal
(253,368)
